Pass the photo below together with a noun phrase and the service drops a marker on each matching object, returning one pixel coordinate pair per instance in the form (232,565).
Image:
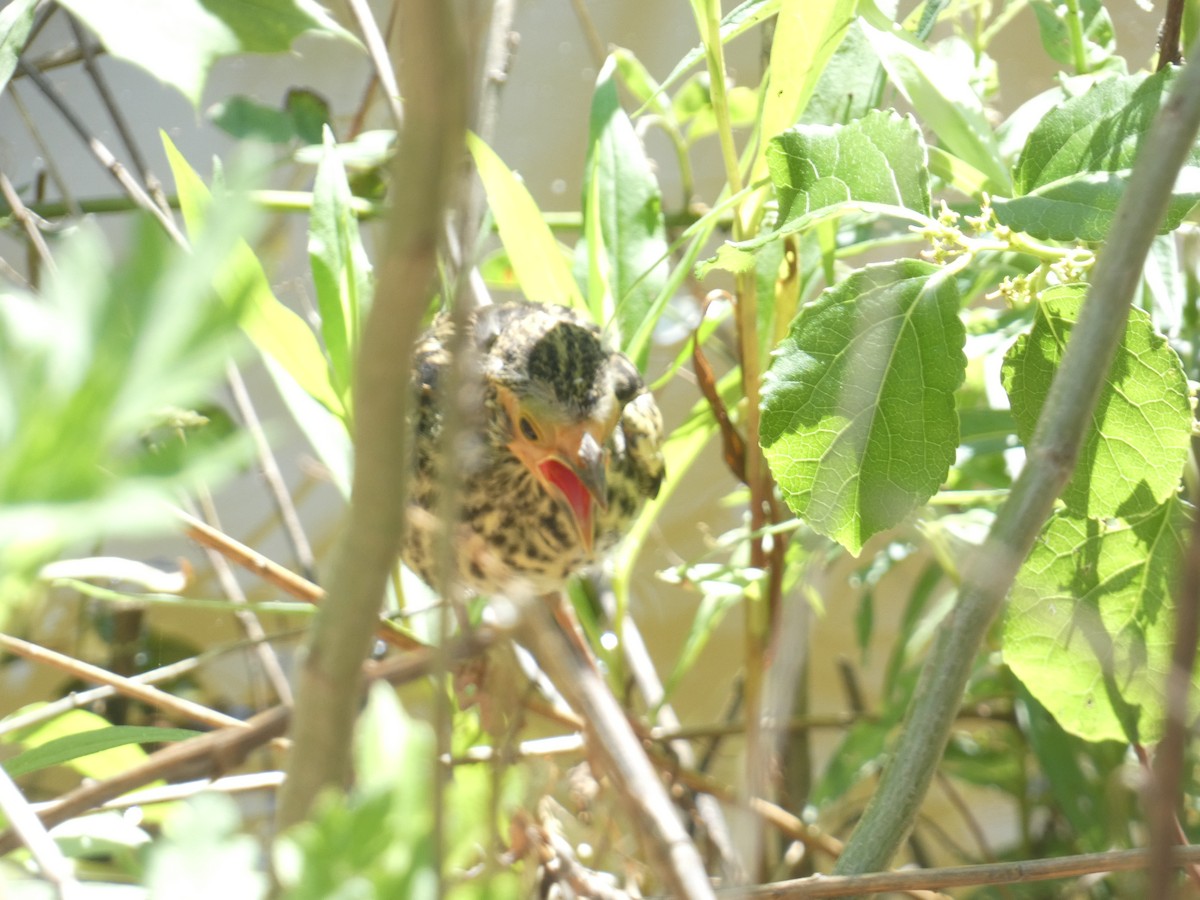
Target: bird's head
(563,393)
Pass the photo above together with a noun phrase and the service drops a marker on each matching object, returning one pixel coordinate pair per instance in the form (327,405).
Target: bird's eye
(528,429)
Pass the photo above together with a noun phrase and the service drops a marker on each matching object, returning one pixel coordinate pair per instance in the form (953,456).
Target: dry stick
(426,160)
(102,154)
(153,185)
(33,834)
(646,677)
(1169,35)
(138,690)
(22,215)
(267,463)
(251,626)
(621,755)
(964,876)
(377,51)
(1167,774)
(219,751)
(273,573)
(69,204)
(78,699)
(199,757)
(1052,453)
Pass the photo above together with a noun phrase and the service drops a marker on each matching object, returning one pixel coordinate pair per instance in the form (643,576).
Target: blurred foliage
(899,280)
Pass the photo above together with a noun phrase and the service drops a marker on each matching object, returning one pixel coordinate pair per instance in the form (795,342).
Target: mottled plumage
(563,448)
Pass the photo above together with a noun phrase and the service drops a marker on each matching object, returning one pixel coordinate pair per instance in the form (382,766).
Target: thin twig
(1168,37)
(153,185)
(292,526)
(251,626)
(1022,872)
(22,215)
(185,709)
(69,205)
(275,574)
(1166,779)
(377,51)
(199,757)
(432,61)
(622,757)
(33,834)
(102,154)
(1053,450)
(590,33)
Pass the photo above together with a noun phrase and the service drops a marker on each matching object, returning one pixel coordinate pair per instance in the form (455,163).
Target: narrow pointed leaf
(275,330)
(623,195)
(945,102)
(538,262)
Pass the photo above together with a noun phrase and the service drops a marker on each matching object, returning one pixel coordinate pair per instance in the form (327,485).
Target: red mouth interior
(577,496)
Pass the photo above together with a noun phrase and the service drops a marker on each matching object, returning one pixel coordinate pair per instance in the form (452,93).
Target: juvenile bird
(563,447)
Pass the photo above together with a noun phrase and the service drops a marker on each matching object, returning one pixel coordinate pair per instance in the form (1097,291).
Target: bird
(562,446)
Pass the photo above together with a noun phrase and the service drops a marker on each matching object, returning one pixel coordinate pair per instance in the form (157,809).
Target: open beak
(580,479)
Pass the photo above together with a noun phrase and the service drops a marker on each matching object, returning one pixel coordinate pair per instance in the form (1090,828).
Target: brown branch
(432,61)
(22,214)
(619,753)
(185,709)
(1022,872)
(1169,51)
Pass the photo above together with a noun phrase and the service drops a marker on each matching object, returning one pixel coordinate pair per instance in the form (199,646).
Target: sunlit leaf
(540,266)
(275,330)
(86,743)
(858,423)
(1090,622)
(1137,442)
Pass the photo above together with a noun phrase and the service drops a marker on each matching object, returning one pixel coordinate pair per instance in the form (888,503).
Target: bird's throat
(576,495)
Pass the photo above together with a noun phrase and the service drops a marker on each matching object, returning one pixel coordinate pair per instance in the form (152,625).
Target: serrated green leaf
(945,102)
(1136,446)
(1081,207)
(177,41)
(1097,131)
(858,423)
(342,273)
(16,20)
(621,193)
(1090,621)
(70,747)
(539,263)
(878,159)
(275,330)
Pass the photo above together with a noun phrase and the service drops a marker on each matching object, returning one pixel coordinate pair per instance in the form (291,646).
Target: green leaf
(16,20)
(1138,440)
(1090,621)
(103,352)
(342,274)
(738,21)
(1097,131)
(621,192)
(245,118)
(807,33)
(1098,41)
(177,41)
(878,159)
(1081,207)
(64,749)
(944,101)
(275,330)
(1075,164)
(858,421)
(536,258)
(849,82)
(203,854)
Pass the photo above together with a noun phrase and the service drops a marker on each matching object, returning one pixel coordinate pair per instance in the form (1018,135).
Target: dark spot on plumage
(554,529)
(476,570)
